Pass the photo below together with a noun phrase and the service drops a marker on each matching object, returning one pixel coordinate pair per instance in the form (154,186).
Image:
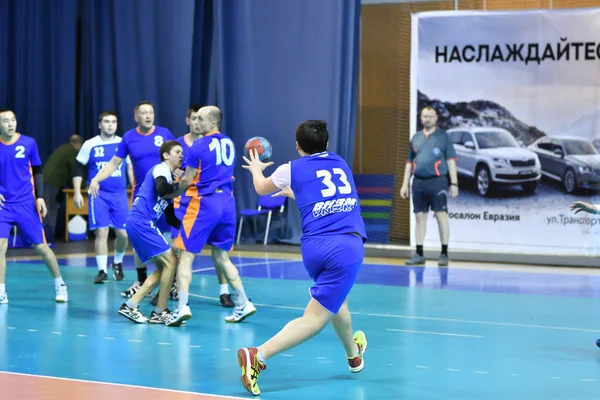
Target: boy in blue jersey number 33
(333,234)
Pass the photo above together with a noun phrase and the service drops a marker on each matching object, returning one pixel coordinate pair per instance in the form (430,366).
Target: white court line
(56,333)
(265,263)
(32,330)
(421,366)
(435,333)
(466,321)
(135,341)
(462,321)
(588,380)
(452,369)
(125,385)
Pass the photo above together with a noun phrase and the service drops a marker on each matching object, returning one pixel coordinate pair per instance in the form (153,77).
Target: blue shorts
(28,221)
(146,239)
(108,210)
(333,263)
(208,220)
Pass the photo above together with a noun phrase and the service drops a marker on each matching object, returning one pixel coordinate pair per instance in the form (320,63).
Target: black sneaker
(156,318)
(154,300)
(133,314)
(101,277)
(118,271)
(225,300)
(133,289)
(174,294)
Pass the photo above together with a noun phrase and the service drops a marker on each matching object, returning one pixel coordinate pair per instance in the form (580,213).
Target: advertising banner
(519,95)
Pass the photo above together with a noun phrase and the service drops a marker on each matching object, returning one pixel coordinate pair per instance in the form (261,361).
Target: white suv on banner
(494,158)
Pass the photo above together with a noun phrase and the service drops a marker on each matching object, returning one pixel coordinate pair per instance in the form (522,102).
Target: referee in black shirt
(430,159)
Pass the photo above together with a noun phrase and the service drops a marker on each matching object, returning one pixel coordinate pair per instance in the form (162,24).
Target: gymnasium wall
(384,90)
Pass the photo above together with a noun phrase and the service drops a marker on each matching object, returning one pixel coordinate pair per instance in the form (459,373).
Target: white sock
(223,288)
(183,299)
(131,304)
(101,262)
(261,358)
(59,281)
(2,287)
(118,259)
(240,297)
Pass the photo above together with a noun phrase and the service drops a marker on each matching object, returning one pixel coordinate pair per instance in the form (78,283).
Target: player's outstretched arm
(256,167)
(579,206)
(104,173)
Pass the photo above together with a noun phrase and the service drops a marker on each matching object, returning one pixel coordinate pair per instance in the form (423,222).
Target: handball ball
(262,147)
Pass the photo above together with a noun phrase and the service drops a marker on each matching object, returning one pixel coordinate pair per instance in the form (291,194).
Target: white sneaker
(179,316)
(4,298)
(240,313)
(62,296)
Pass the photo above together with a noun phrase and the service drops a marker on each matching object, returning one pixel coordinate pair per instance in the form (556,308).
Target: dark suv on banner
(494,158)
(570,160)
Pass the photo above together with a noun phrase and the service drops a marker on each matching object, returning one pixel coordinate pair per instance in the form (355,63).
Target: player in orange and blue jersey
(142,145)
(209,214)
(186,142)
(21,200)
(333,236)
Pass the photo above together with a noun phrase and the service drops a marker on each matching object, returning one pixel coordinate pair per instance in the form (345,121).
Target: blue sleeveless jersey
(326,195)
(148,205)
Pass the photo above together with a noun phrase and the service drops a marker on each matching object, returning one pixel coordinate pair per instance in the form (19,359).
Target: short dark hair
(312,136)
(143,103)
(429,108)
(166,147)
(3,110)
(106,114)
(193,108)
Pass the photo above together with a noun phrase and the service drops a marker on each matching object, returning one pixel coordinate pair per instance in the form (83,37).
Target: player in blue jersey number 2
(333,234)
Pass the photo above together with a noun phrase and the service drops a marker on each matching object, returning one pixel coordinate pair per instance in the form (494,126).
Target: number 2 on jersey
(220,147)
(20,152)
(325,176)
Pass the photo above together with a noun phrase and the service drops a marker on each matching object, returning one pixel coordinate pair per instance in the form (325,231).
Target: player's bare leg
(253,360)
(165,264)
(121,241)
(101,250)
(3,248)
(224,296)
(184,279)
(52,264)
(243,307)
(141,271)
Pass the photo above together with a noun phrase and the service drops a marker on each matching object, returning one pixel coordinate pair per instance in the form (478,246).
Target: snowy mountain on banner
(478,113)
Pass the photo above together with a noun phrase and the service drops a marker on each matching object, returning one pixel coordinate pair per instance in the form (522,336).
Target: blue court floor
(465,332)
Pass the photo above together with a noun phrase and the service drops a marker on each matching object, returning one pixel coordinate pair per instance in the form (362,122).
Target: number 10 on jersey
(222,147)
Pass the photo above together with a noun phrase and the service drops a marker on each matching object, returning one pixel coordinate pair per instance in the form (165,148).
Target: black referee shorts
(429,194)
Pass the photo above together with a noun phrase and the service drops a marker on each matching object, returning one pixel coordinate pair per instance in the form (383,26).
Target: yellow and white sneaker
(356,364)
(251,368)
